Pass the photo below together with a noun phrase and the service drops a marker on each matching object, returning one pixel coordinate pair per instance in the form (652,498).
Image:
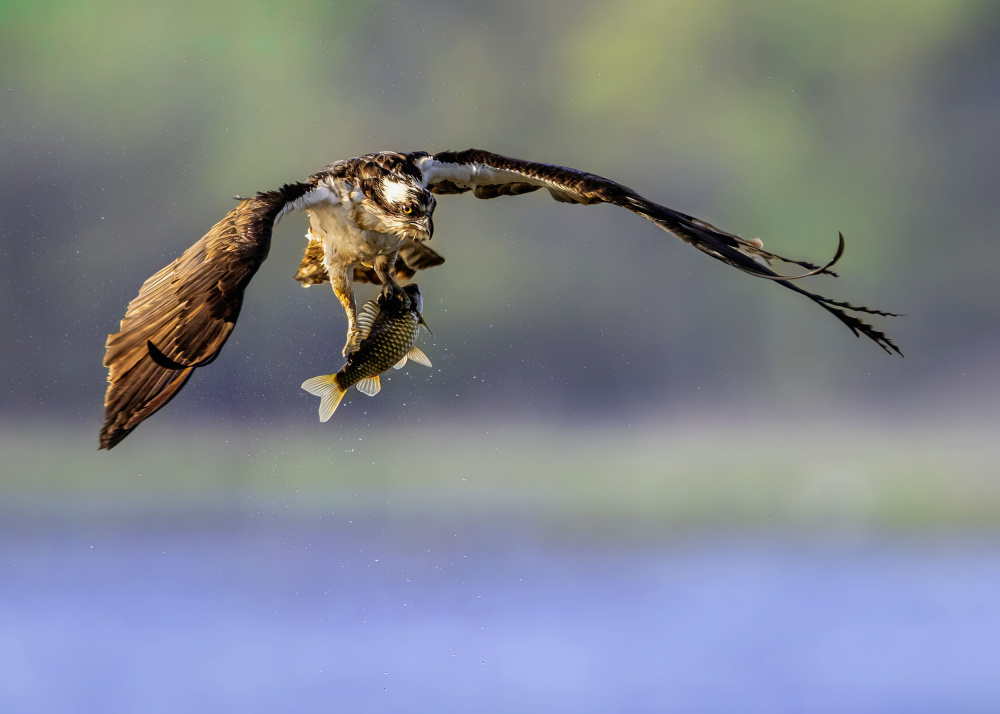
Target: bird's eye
(407,210)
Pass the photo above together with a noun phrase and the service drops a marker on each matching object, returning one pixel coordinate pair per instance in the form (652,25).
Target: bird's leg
(384,265)
(343,289)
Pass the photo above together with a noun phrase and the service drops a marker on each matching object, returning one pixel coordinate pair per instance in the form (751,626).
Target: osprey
(368,220)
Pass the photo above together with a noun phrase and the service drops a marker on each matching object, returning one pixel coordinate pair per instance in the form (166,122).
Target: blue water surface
(271,617)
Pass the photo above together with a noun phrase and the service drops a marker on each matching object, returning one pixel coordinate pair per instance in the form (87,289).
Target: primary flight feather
(368,220)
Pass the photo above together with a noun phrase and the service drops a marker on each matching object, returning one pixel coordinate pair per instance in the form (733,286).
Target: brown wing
(312,271)
(186,312)
(490,175)
(413,256)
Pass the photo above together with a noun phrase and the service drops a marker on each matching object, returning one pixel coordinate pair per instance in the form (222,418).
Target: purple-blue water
(282,618)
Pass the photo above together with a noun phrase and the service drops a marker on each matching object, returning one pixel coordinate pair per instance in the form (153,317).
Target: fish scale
(387,343)
(389,326)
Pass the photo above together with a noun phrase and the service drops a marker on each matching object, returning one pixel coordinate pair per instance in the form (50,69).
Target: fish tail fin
(326,387)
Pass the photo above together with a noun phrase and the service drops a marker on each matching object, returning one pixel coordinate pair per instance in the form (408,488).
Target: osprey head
(404,205)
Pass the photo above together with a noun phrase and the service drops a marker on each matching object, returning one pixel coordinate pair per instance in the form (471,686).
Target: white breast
(334,222)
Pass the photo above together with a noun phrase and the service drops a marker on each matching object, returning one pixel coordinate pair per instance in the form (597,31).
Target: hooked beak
(424,225)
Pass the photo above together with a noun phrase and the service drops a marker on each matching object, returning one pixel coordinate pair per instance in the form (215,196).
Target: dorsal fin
(367,315)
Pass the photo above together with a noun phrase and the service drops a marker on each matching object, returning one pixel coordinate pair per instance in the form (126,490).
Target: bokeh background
(635,479)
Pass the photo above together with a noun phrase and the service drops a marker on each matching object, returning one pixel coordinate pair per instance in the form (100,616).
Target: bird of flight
(368,220)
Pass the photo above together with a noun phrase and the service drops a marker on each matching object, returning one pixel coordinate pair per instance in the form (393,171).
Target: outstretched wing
(490,175)
(184,314)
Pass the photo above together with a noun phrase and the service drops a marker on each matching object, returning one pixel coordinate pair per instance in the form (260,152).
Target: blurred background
(635,479)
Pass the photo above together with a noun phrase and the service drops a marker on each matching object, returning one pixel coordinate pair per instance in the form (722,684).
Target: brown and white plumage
(187,311)
(368,219)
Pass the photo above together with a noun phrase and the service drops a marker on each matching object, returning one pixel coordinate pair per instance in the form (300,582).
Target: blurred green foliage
(126,127)
(655,480)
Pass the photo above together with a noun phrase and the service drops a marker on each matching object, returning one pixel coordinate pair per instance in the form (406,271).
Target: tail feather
(326,387)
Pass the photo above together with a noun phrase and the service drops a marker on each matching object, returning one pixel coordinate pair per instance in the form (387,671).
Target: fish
(388,329)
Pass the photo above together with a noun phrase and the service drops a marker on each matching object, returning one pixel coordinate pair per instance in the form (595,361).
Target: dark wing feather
(312,271)
(414,256)
(490,175)
(186,311)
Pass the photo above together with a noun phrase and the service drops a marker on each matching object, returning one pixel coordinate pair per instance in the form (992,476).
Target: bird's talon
(395,292)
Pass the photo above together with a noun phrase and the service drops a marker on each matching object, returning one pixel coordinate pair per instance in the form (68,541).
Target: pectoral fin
(418,356)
